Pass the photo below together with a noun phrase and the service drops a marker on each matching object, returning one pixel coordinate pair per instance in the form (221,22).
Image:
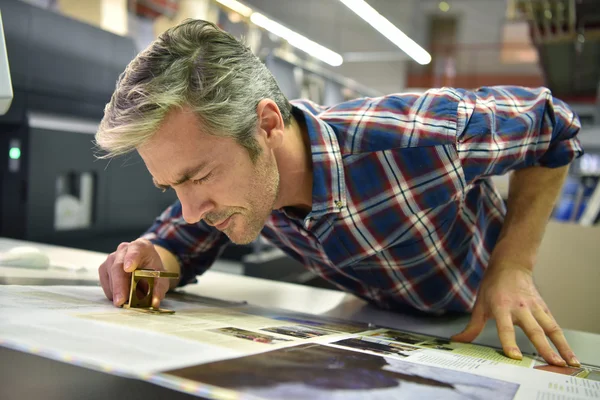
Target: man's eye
(202,180)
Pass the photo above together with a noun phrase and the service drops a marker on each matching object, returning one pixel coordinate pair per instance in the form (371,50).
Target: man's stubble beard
(262,199)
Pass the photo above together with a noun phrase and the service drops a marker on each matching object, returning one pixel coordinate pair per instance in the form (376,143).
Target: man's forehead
(178,120)
(180,132)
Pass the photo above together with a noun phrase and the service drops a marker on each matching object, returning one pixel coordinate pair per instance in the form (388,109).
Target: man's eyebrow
(184,176)
(161,187)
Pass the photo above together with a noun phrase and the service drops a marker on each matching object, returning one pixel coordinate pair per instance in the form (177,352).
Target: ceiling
(568,66)
(333,25)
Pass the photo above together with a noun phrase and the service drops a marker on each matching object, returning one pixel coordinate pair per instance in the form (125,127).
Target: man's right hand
(115,272)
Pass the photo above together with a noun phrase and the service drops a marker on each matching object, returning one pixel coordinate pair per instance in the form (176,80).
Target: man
(388,198)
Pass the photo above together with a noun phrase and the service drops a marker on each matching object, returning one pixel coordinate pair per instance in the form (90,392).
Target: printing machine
(52,188)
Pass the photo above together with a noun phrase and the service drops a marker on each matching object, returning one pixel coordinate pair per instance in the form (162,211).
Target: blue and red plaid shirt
(404,213)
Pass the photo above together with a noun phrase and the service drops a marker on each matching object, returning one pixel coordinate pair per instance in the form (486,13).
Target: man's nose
(193,210)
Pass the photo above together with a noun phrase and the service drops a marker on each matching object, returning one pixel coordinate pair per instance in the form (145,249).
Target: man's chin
(241,236)
(241,239)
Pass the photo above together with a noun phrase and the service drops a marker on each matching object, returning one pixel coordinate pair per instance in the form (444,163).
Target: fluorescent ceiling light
(237,7)
(374,56)
(389,30)
(295,39)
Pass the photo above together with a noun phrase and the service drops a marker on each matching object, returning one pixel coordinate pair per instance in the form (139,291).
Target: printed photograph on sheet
(298,331)
(323,372)
(403,337)
(249,335)
(330,325)
(462,349)
(378,346)
(584,372)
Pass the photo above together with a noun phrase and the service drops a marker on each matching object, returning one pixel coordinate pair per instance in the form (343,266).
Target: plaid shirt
(404,213)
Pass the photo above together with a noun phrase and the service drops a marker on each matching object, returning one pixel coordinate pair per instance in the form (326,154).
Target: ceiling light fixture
(295,39)
(389,30)
(444,6)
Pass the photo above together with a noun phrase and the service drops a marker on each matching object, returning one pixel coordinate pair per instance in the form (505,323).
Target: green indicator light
(14,153)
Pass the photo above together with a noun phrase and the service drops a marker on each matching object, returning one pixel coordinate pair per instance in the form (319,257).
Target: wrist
(503,264)
(507,252)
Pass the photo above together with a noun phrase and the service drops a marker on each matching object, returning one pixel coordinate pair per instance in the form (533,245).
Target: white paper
(48,320)
(80,326)
(545,385)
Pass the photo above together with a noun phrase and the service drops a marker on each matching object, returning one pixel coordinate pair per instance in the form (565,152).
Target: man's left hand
(508,295)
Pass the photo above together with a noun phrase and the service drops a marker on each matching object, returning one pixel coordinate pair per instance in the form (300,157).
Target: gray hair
(194,64)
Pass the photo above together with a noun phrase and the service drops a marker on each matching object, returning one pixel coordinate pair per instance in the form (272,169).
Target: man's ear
(270,123)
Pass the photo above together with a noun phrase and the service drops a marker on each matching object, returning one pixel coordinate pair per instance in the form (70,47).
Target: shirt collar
(329,188)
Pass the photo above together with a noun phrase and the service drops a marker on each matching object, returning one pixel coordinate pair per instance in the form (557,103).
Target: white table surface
(273,294)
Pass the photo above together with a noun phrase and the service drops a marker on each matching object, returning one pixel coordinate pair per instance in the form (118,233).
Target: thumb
(474,327)
(161,287)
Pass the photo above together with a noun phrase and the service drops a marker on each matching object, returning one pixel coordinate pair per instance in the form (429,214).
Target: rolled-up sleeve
(196,246)
(505,128)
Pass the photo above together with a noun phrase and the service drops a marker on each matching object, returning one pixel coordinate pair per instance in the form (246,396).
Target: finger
(474,327)
(161,286)
(536,334)
(506,333)
(132,259)
(553,331)
(121,280)
(110,285)
(120,253)
(104,280)
(137,255)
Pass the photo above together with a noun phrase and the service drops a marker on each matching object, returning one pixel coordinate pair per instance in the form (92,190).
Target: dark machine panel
(63,74)
(59,64)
